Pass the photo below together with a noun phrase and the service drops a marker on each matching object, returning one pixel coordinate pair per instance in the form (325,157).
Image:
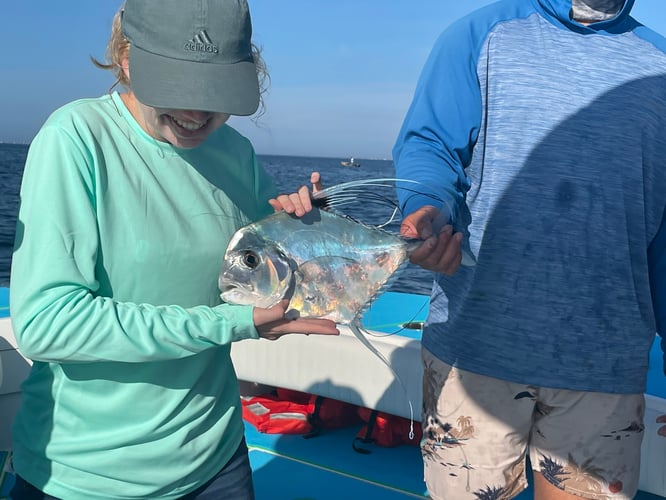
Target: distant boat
(350,163)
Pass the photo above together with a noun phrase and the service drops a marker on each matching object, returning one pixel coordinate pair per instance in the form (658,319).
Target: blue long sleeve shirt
(548,137)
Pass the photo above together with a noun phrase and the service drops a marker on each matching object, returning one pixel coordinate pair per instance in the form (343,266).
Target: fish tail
(355,327)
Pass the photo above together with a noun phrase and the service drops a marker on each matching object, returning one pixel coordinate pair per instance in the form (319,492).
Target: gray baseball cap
(192,54)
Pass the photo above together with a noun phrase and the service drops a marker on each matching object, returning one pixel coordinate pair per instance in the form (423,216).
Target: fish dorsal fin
(334,197)
(379,191)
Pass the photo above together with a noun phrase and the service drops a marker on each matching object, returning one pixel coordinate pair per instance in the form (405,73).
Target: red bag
(384,429)
(294,412)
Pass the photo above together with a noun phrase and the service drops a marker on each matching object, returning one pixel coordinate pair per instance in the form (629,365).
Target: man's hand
(441,251)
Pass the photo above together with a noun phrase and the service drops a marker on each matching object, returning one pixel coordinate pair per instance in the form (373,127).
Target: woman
(127,204)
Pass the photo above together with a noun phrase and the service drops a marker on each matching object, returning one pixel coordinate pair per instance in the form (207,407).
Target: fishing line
(355,327)
(404,326)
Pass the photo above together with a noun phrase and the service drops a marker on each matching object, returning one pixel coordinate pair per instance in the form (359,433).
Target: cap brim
(163,82)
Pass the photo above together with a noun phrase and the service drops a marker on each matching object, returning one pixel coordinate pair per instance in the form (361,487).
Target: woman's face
(181,128)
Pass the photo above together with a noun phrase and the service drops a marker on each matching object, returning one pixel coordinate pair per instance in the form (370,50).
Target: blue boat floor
(326,467)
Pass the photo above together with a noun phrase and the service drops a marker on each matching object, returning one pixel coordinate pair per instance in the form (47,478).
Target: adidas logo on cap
(201,42)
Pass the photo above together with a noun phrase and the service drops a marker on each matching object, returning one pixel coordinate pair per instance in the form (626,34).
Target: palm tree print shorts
(478,432)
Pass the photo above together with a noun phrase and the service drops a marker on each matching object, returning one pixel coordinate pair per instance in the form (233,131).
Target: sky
(342,71)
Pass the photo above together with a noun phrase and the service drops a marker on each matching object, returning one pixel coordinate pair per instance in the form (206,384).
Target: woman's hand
(272,324)
(440,252)
(300,202)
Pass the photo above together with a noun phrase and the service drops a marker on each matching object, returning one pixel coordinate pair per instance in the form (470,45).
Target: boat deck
(326,467)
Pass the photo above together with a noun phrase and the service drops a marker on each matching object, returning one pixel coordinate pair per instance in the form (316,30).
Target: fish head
(255,271)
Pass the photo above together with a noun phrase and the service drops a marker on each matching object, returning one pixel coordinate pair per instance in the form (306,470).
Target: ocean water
(12,159)
(289,172)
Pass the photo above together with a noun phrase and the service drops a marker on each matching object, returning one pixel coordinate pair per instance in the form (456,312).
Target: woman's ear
(124,64)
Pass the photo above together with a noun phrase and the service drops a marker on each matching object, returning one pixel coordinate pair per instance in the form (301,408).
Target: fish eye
(250,259)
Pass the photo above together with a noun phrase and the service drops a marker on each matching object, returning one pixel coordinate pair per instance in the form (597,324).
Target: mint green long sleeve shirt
(114,296)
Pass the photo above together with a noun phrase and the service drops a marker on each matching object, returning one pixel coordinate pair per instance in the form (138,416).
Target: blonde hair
(118,49)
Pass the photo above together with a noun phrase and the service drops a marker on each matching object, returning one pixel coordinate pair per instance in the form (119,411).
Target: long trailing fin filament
(355,327)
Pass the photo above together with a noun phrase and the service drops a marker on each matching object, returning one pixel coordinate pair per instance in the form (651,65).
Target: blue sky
(342,71)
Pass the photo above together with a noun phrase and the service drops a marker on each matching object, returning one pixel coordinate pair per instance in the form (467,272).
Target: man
(543,123)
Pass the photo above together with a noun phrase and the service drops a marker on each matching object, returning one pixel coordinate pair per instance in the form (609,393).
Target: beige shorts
(478,431)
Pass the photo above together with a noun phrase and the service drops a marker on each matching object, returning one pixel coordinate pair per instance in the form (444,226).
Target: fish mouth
(245,295)
(229,288)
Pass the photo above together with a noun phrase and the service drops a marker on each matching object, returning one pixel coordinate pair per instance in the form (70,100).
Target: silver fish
(327,264)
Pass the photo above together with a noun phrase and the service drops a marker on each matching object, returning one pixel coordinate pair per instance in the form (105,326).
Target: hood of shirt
(606,15)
